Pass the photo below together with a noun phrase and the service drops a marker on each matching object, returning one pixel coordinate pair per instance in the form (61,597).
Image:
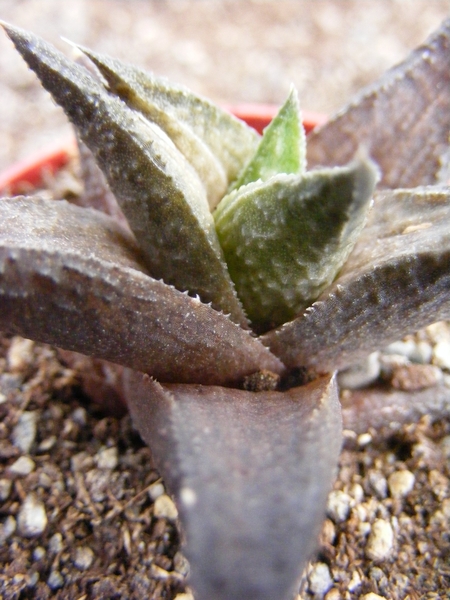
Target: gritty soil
(84,515)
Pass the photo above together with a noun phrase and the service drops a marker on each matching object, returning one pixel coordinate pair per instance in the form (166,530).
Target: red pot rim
(30,172)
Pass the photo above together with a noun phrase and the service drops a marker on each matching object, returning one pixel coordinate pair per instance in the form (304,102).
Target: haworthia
(204,132)
(158,190)
(285,239)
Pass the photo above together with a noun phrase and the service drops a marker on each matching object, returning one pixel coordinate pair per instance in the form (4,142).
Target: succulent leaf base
(232,282)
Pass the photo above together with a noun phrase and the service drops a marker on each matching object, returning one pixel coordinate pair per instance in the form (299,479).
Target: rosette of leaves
(229,274)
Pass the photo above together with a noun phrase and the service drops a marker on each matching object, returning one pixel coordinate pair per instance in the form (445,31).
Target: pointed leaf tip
(216,143)
(282,148)
(402,119)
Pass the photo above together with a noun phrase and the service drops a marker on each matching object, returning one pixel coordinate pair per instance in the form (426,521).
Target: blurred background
(232,51)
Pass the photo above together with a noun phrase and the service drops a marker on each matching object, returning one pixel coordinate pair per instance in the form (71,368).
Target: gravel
(401,483)
(32,517)
(320,580)
(24,433)
(380,543)
(70,527)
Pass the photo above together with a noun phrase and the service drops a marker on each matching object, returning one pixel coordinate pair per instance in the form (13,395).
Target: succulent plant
(237,282)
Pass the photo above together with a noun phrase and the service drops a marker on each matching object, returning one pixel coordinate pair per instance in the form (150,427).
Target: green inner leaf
(285,239)
(282,148)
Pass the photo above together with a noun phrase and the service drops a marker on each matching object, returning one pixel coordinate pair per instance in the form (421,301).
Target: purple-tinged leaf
(250,473)
(159,192)
(379,407)
(96,192)
(396,280)
(73,277)
(403,120)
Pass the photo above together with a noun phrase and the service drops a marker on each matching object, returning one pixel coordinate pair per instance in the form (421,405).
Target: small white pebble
(5,489)
(55,543)
(38,553)
(319,579)
(364,439)
(32,518)
(355,581)
(328,533)
(24,433)
(22,466)
(55,580)
(441,355)
(372,596)
(423,353)
(338,506)
(79,415)
(155,490)
(381,541)
(20,354)
(107,458)
(403,348)
(47,444)
(3,398)
(357,492)
(84,557)
(438,332)
(165,508)
(401,483)
(378,483)
(361,374)
(7,528)
(33,580)
(363,529)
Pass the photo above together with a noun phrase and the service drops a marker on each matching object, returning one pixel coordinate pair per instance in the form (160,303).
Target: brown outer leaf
(380,407)
(403,120)
(396,281)
(250,473)
(96,191)
(72,277)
